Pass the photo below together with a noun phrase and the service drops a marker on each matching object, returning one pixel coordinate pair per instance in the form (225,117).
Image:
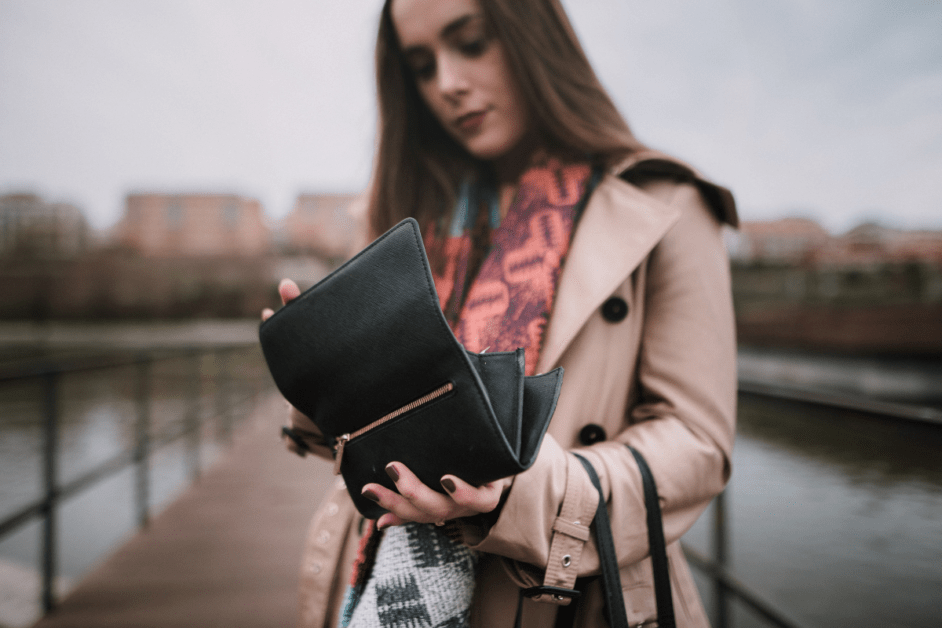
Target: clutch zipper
(343,439)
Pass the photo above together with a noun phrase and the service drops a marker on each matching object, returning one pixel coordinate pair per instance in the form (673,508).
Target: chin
(488,151)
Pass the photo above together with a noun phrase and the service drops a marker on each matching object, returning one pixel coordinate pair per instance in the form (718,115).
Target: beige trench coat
(662,379)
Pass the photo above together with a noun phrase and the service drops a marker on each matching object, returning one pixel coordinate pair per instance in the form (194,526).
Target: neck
(511,165)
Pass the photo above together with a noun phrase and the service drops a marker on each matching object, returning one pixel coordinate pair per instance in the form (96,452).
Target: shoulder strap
(611,581)
(605,542)
(662,582)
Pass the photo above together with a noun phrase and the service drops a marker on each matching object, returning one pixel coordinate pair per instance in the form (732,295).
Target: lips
(470,121)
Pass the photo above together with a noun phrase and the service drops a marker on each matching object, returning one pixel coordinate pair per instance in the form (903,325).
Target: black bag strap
(658,548)
(605,542)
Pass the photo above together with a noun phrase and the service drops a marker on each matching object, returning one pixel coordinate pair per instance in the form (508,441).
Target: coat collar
(619,227)
(645,164)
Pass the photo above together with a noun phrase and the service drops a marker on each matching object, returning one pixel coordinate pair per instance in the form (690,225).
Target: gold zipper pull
(338,451)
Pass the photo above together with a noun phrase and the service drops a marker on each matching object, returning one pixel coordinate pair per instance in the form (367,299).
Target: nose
(452,82)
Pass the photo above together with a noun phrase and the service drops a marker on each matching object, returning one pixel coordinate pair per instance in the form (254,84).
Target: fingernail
(371,495)
(449,485)
(392,472)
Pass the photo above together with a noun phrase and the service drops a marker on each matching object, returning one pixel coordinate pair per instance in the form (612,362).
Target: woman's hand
(301,424)
(287,290)
(417,502)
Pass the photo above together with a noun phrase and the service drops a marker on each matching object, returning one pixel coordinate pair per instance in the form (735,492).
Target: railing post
(720,594)
(194,417)
(50,505)
(252,381)
(222,388)
(142,444)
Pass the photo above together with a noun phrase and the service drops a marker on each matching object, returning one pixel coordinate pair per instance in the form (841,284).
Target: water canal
(98,414)
(834,516)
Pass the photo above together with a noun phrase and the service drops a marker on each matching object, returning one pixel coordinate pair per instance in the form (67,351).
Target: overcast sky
(825,109)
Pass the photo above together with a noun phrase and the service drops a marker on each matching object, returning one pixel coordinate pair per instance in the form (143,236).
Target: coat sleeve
(683,421)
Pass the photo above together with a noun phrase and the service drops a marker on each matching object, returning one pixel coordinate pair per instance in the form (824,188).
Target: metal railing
(145,444)
(726,586)
(843,401)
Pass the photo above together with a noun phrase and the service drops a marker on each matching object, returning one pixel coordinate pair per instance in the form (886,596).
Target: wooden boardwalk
(225,553)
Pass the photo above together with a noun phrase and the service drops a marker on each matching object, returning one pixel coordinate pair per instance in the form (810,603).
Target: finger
(267,313)
(288,290)
(389,519)
(398,506)
(480,499)
(436,506)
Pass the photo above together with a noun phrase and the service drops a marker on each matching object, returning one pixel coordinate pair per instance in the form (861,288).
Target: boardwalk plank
(225,553)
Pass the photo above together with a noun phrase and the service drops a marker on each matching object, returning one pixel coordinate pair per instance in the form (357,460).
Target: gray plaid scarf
(421,579)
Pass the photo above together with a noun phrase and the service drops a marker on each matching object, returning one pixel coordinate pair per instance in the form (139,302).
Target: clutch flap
(540,394)
(502,376)
(365,340)
(367,354)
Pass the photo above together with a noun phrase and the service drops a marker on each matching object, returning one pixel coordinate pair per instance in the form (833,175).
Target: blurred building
(31,228)
(789,240)
(802,241)
(193,225)
(871,243)
(324,225)
(872,290)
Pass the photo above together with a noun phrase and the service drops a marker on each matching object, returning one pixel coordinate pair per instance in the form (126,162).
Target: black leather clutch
(366,353)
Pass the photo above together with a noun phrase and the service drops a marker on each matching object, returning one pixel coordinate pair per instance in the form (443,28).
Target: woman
(550,227)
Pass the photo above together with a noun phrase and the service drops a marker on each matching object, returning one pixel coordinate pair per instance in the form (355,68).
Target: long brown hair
(419,166)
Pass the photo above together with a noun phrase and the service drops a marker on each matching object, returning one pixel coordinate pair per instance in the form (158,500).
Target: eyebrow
(457,24)
(450,29)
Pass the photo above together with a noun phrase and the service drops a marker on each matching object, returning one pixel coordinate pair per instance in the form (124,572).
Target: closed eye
(424,72)
(467,35)
(474,48)
(422,64)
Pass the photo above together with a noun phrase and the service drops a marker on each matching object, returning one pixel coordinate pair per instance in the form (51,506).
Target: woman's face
(461,71)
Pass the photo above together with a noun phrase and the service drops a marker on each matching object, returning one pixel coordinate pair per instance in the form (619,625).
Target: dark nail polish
(392,473)
(371,495)
(449,485)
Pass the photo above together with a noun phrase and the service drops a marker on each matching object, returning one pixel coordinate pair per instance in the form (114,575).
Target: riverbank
(904,379)
(25,340)
(909,380)
(881,308)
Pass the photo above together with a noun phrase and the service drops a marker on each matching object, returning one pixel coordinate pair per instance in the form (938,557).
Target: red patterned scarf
(511,295)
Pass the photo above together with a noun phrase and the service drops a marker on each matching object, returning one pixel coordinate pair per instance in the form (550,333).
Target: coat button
(615,310)
(591,434)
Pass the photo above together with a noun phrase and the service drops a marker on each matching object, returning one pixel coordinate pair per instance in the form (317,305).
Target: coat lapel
(619,227)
